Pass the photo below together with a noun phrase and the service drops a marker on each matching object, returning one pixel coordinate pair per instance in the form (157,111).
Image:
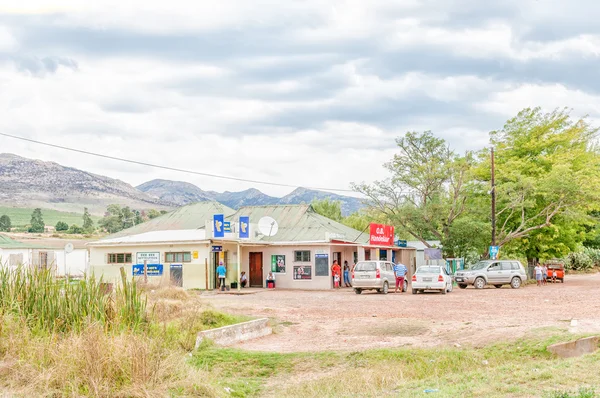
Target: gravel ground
(343,320)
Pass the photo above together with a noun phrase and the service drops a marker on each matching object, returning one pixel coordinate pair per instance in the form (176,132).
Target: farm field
(20,217)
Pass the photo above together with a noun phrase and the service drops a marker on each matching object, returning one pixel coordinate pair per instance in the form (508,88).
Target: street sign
(401,243)
(494,252)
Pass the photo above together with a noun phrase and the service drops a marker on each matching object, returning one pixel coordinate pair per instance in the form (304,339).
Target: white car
(431,277)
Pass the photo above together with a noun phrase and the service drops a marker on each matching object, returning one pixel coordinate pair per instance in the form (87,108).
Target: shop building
(292,241)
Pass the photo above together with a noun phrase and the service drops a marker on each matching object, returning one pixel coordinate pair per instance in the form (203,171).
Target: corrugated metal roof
(183,235)
(192,216)
(299,223)
(8,243)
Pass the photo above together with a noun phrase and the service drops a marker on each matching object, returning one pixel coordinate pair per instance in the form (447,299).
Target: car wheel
(450,288)
(445,290)
(562,280)
(498,286)
(462,286)
(386,288)
(479,283)
(515,283)
(405,286)
(414,291)
(358,291)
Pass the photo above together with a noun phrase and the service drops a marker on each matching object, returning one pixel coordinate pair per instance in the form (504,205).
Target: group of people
(400,272)
(541,275)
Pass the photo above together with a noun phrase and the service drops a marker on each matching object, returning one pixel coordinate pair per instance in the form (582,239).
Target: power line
(170,168)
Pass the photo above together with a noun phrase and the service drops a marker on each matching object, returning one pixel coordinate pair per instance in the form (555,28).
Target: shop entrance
(218,258)
(256,269)
(176,273)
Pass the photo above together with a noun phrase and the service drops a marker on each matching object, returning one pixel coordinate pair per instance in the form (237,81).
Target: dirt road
(343,320)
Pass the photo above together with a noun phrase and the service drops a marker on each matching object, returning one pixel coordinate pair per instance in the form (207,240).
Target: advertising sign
(302,272)
(494,252)
(217,249)
(278,263)
(151,269)
(151,258)
(381,234)
(401,243)
(218,226)
(244,227)
(227,226)
(195,254)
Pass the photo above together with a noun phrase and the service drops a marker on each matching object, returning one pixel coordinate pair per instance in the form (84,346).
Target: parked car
(492,272)
(560,271)
(374,275)
(431,277)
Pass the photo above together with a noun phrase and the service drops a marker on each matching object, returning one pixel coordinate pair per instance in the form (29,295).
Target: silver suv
(492,272)
(374,275)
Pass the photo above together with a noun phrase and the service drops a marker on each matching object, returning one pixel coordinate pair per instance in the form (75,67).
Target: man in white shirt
(539,274)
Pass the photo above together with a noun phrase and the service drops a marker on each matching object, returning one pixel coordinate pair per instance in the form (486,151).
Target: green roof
(8,243)
(192,216)
(300,223)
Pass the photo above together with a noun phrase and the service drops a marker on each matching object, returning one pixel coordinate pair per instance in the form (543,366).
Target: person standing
(335,270)
(539,273)
(545,274)
(347,274)
(221,272)
(400,271)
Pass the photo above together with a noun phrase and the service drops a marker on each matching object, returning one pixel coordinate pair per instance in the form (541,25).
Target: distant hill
(27,183)
(182,193)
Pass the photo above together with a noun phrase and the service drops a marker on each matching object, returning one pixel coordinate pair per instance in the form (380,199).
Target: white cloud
(7,40)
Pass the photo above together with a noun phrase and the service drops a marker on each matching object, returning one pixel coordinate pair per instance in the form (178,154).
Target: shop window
(180,257)
(119,258)
(302,256)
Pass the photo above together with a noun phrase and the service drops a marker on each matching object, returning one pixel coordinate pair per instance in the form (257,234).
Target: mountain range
(30,183)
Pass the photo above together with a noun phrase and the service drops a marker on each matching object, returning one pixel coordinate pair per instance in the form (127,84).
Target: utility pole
(493,191)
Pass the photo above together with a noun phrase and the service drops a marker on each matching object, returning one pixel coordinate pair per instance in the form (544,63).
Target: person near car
(539,274)
(545,274)
(221,272)
(554,275)
(335,270)
(347,274)
(400,271)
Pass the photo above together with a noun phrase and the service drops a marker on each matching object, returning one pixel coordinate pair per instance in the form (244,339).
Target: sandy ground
(343,320)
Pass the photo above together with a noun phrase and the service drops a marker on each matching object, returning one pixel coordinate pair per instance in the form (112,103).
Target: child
(336,281)
(554,275)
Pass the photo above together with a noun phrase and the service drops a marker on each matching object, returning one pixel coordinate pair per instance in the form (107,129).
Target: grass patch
(21,217)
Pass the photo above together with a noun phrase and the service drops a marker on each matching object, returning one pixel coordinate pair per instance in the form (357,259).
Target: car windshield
(366,266)
(480,265)
(428,270)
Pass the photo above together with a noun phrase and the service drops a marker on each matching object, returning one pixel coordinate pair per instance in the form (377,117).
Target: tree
(37,222)
(75,229)
(547,180)
(331,209)
(428,189)
(113,219)
(153,213)
(88,223)
(5,224)
(61,226)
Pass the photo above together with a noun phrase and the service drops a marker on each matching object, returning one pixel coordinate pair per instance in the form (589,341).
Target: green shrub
(61,226)
(579,261)
(593,254)
(75,229)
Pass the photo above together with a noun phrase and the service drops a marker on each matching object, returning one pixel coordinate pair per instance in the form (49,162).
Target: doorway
(256,269)
(176,273)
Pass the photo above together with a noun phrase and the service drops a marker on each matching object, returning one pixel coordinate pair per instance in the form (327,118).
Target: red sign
(382,234)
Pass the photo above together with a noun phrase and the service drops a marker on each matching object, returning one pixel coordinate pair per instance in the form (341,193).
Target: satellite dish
(69,248)
(268,226)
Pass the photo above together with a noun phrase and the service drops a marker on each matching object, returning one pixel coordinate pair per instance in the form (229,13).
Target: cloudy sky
(301,92)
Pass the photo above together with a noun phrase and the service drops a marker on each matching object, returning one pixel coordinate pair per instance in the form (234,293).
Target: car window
(366,266)
(479,265)
(389,266)
(506,266)
(428,270)
(515,265)
(495,267)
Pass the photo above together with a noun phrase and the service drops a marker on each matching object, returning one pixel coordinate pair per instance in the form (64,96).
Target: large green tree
(88,223)
(37,222)
(428,189)
(331,209)
(5,223)
(547,181)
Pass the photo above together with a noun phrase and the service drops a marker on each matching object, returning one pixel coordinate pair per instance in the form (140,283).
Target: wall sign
(151,269)
(302,272)
(227,226)
(151,258)
(381,234)
(244,227)
(278,263)
(195,254)
(218,226)
(217,249)
(321,264)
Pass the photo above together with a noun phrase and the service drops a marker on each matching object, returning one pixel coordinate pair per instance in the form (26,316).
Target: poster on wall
(321,264)
(302,272)
(278,263)
(153,264)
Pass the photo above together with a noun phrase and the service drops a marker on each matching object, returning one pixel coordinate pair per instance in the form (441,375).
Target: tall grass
(47,305)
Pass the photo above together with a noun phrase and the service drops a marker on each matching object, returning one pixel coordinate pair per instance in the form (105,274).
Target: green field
(20,217)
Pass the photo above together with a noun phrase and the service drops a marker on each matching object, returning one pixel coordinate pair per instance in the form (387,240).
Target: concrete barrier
(232,334)
(575,348)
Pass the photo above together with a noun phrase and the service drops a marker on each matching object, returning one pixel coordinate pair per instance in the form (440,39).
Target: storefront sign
(401,243)
(278,263)
(218,226)
(244,227)
(150,258)
(151,269)
(381,234)
(217,249)
(227,226)
(302,272)
(195,254)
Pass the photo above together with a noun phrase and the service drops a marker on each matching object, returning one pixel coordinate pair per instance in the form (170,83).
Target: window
(515,266)
(15,259)
(302,256)
(119,258)
(494,267)
(181,257)
(366,266)
(506,266)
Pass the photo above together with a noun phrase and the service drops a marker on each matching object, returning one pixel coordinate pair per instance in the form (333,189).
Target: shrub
(593,254)
(61,226)
(75,229)
(578,261)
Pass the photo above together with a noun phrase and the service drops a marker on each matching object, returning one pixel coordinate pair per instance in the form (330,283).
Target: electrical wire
(170,168)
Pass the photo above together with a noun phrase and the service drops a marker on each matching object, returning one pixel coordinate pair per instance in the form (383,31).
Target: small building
(420,252)
(299,247)
(44,255)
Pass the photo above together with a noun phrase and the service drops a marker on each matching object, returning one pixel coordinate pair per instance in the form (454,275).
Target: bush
(579,261)
(61,226)
(594,255)
(75,229)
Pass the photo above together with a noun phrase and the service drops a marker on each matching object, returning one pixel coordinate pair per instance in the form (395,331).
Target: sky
(308,93)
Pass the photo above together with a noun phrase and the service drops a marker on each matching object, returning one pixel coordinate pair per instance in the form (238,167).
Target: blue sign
(217,249)
(244,227)
(494,252)
(219,226)
(176,266)
(321,255)
(401,243)
(151,269)
(227,226)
